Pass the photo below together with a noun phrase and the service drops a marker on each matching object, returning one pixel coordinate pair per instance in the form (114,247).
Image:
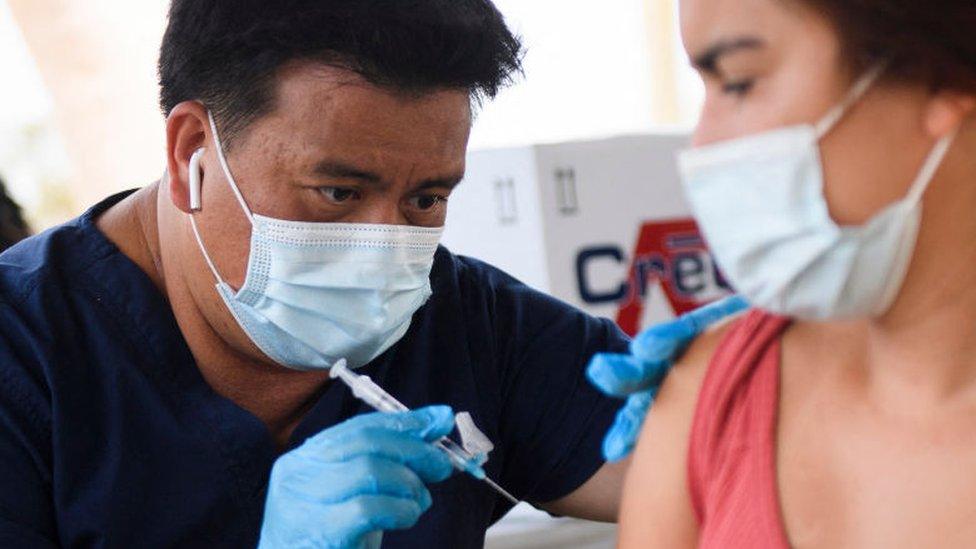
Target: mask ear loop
(226,167)
(918,188)
(237,193)
(931,166)
(203,249)
(860,88)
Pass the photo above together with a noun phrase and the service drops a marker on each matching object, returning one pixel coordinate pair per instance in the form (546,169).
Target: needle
(501,490)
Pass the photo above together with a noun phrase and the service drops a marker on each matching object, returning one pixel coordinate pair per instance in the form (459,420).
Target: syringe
(372,394)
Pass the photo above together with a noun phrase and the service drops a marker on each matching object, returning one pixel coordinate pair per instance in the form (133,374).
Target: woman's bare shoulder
(657,509)
(685,379)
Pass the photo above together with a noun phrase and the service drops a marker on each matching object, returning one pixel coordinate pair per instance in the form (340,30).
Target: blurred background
(570,172)
(79,117)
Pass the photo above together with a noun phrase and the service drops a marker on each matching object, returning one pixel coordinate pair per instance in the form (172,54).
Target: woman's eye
(339,195)
(427,202)
(739,88)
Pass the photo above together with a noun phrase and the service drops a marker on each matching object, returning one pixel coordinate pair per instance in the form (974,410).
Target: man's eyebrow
(340,170)
(441,182)
(707,61)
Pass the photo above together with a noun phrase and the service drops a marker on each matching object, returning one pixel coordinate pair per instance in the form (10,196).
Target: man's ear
(187,128)
(947,111)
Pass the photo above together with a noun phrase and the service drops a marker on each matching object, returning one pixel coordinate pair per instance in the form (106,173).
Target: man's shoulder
(514,309)
(55,260)
(48,261)
(50,286)
(482,287)
(31,282)
(478,280)
(465,270)
(34,281)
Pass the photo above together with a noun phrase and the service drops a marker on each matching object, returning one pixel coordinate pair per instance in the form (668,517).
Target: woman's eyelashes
(738,88)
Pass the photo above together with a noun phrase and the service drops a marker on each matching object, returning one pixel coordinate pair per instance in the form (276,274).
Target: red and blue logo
(672,254)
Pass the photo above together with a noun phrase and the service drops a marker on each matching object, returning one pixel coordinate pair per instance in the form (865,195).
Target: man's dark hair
(13,228)
(226,53)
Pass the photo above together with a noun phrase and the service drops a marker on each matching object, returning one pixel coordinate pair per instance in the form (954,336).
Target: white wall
(588,75)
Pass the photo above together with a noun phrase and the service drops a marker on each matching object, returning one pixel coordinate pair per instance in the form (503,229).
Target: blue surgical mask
(318,292)
(759,201)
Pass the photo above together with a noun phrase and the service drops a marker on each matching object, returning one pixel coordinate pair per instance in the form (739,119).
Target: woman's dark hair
(13,228)
(226,53)
(930,42)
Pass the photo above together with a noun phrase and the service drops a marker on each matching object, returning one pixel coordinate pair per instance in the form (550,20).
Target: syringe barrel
(372,394)
(366,389)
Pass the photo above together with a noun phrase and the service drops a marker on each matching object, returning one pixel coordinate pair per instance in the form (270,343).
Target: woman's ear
(947,111)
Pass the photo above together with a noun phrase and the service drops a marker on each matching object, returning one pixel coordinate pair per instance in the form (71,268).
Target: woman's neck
(926,343)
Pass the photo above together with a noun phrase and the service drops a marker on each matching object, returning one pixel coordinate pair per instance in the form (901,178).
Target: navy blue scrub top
(110,437)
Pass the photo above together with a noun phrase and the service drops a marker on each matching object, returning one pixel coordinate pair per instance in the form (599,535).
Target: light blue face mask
(318,292)
(760,202)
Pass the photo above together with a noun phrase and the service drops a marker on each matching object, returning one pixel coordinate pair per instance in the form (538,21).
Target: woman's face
(773,63)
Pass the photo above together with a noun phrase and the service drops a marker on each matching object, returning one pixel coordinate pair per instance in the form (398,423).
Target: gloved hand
(343,487)
(638,376)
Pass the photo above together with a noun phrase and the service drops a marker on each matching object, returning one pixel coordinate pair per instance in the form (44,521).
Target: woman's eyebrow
(707,61)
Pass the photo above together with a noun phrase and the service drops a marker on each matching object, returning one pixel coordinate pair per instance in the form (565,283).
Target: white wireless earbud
(196,202)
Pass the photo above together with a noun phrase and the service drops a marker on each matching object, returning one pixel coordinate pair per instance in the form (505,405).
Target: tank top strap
(731,455)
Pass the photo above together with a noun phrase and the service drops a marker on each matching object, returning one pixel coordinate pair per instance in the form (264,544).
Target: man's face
(338,149)
(333,149)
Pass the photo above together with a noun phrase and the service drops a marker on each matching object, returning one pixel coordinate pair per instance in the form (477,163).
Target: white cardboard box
(566,219)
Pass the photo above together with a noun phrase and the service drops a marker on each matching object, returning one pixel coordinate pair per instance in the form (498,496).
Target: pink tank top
(732,451)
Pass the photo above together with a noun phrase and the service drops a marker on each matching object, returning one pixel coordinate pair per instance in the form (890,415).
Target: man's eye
(339,195)
(739,88)
(427,202)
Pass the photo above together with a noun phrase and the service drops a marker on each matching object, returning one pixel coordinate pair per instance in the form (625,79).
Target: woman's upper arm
(656,510)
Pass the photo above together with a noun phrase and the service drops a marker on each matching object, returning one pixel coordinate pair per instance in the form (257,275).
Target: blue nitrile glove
(638,375)
(346,485)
